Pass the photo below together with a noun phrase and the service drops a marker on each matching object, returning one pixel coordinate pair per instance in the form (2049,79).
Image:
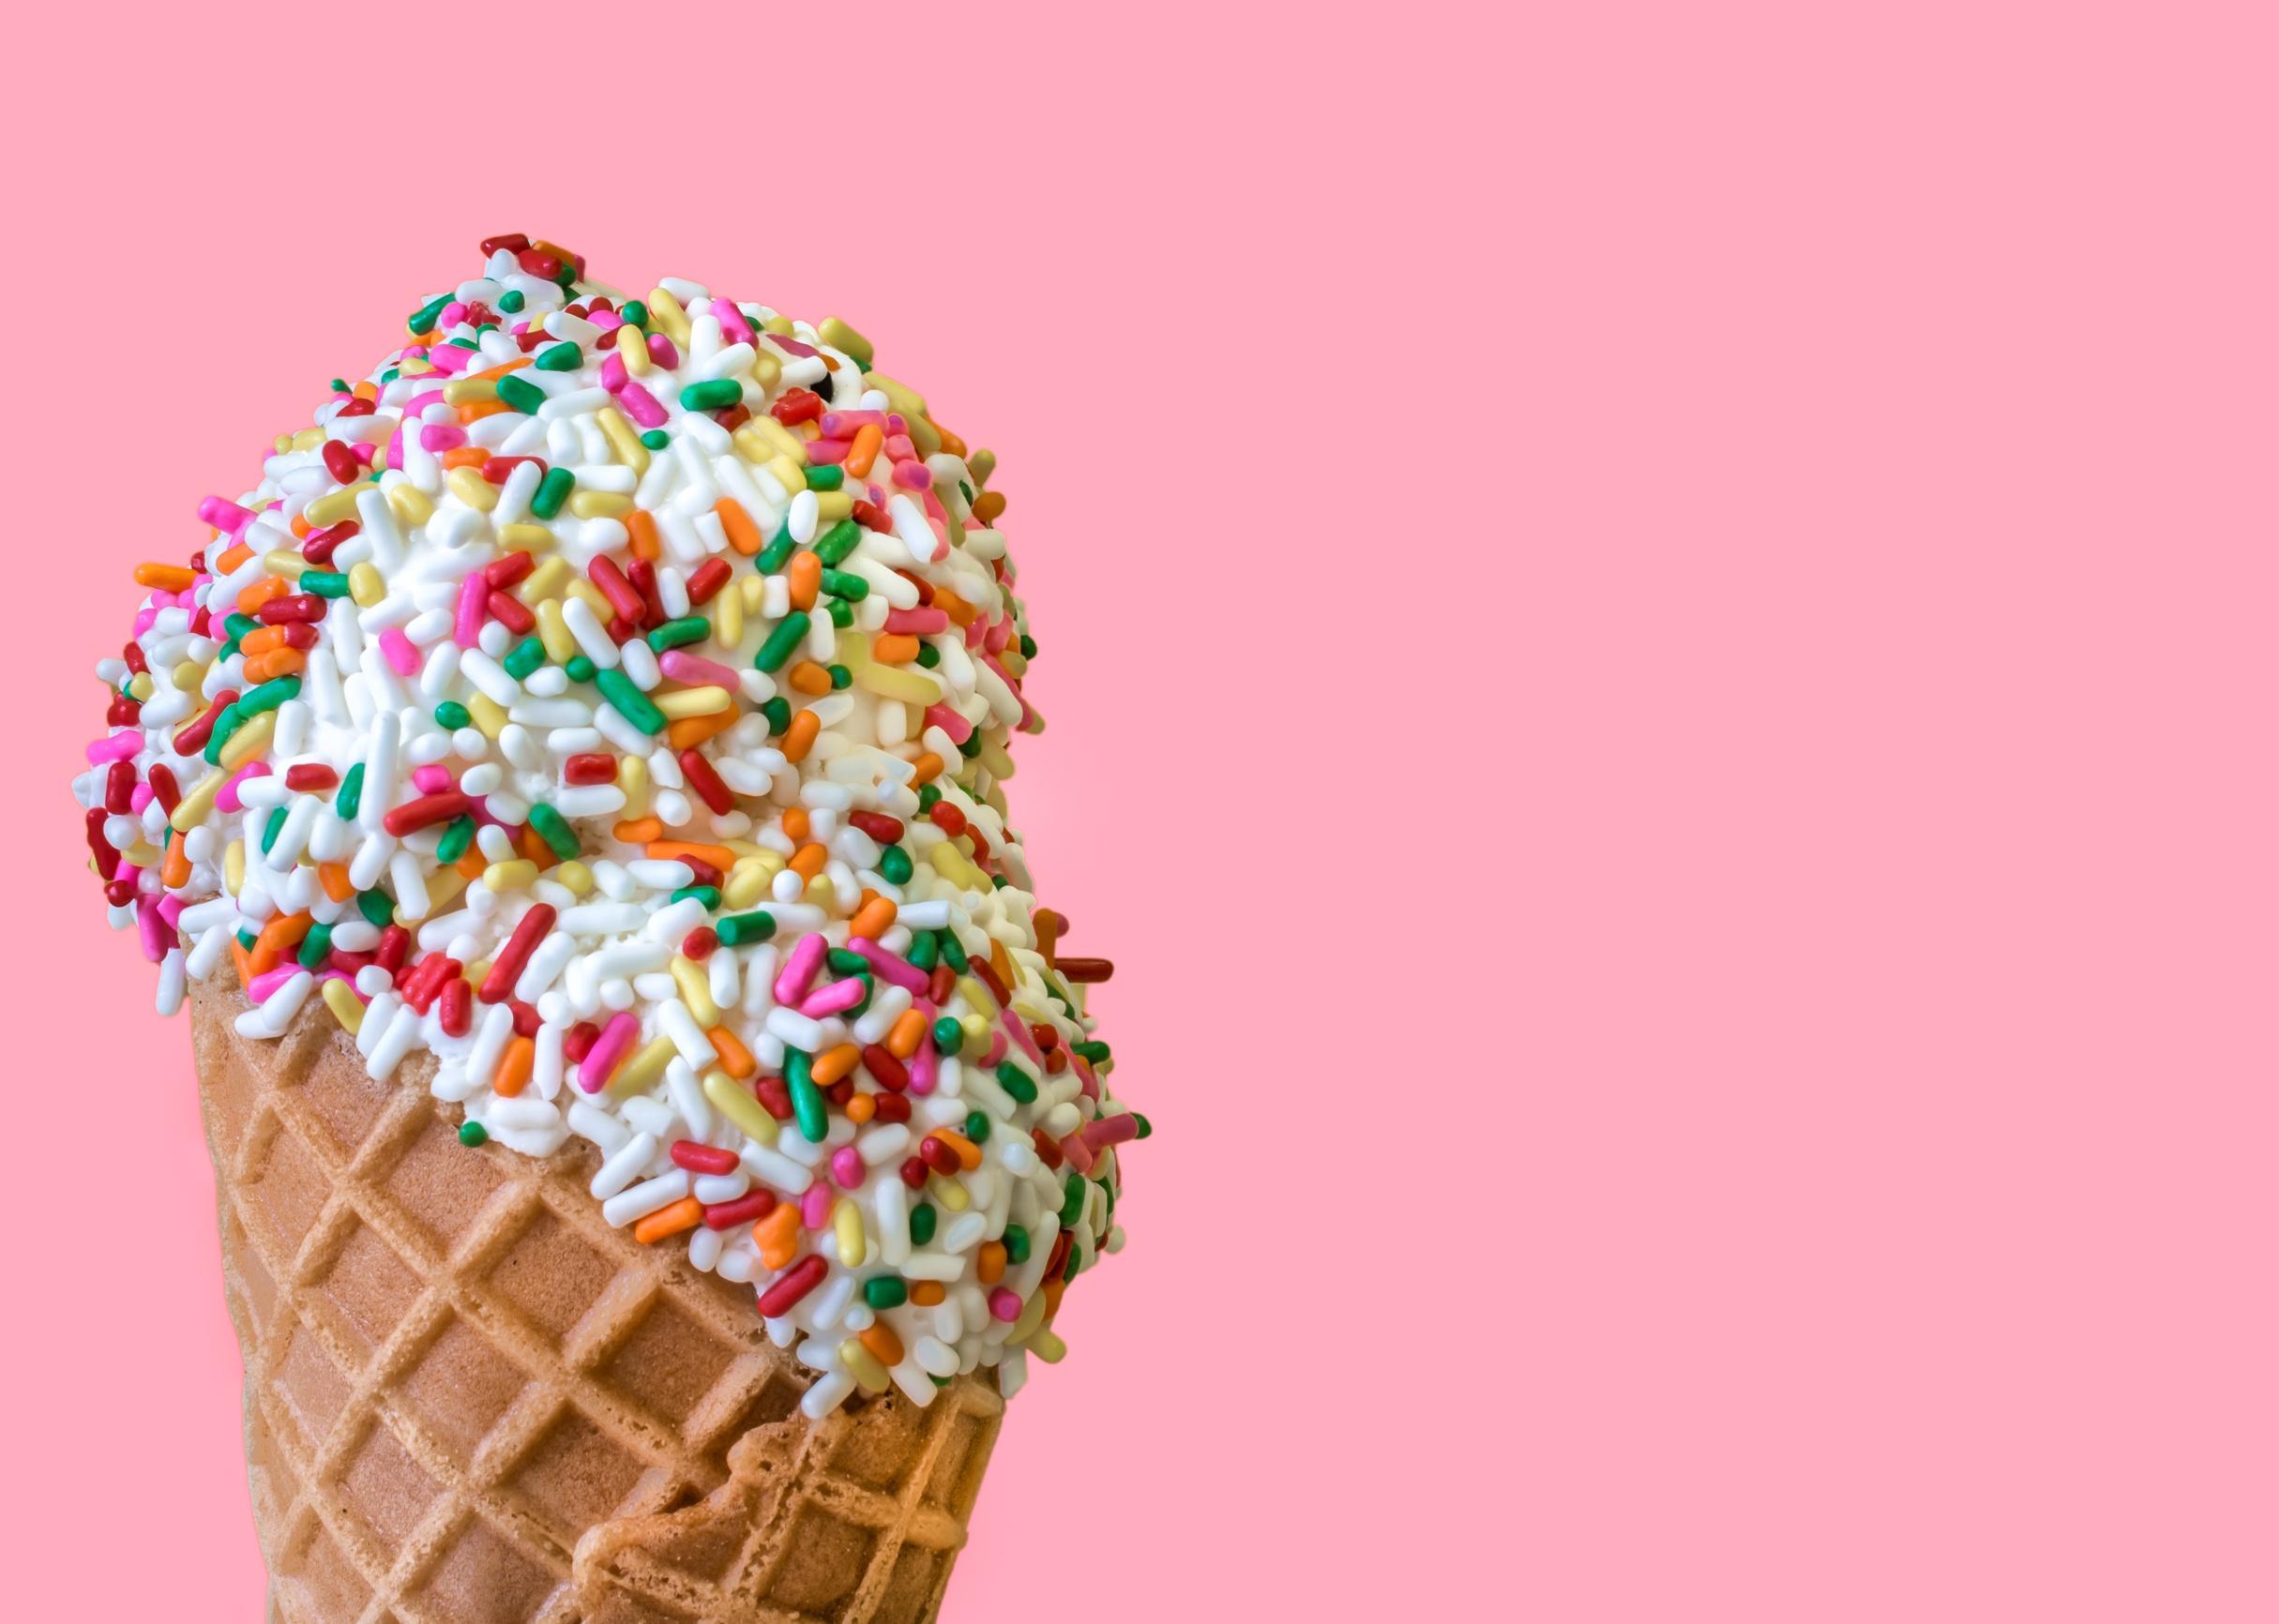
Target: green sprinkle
(972,748)
(472,1133)
(324,582)
(713,394)
(924,950)
(524,657)
(826,476)
(886,1291)
(553,490)
(674,633)
(976,1126)
(521,396)
(807,1100)
(895,866)
(780,642)
(511,301)
(456,840)
(452,715)
(1028,647)
(953,950)
(270,695)
(776,553)
(778,714)
(922,1218)
(424,318)
(929,655)
(1016,1243)
(739,928)
(1072,1201)
(375,906)
(269,830)
(840,676)
(315,947)
(245,939)
(230,719)
(1016,1082)
(630,701)
(835,543)
(927,795)
(635,311)
(707,894)
(841,612)
(554,830)
(656,439)
(852,587)
(351,793)
(839,961)
(339,386)
(949,1037)
(1091,1049)
(560,358)
(1146,1127)
(580,668)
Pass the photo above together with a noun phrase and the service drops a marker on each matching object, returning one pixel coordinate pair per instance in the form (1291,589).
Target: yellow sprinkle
(1032,1316)
(833,506)
(666,315)
(189,676)
(510,876)
(696,991)
(412,366)
(788,474)
(365,585)
(780,325)
(763,438)
(554,633)
(647,1064)
(949,863)
(191,809)
(767,370)
(924,437)
(619,433)
(863,1365)
(306,440)
(599,504)
(526,538)
(949,1193)
(845,339)
(992,755)
(847,1221)
(977,996)
(822,893)
(462,391)
(735,1102)
(473,489)
(574,877)
(728,617)
(141,686)
(747,881)
(911,684)
(586,590)
(444,886)
(633,350)
(333,506)
(490,716)
(754,588)
(234,865)
(247,742)
(976,1029)
(1044,1342)
(343,1004)
(410,503)
(633,778)
(981,465)
(142,854)
(545,581)
(285,562)
(685,702)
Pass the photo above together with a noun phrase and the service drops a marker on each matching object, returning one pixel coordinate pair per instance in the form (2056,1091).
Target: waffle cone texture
(470,1400)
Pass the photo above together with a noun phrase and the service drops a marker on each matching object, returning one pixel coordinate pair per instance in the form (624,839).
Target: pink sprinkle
(996,1052)
(815,1206)
(400,651)
(608,320)
(917,622)
(732,323)
(450,359)
(145,619)
(950,722)
(898,448)
(1004,1304)
(937,517)
(117,747)
(829,450)
(1092,1084)
(926,1065)
(139,798)
(441,437)
(154,941)
(792,346)
(431,779)
(224,515)
(1078,1154)
(890,967)
(913,476)
(613,374)
(799,966)
(1020,1035)
(662,353)
(847,1167)
(608,1051)
(1106,1131)
(975,632)
(640,405)
(695,670)
(170,909)
(226,799)
(419,404)
(453,314)
(843,425)
(268,981)
(830,1000)
(998,634)
(467,625)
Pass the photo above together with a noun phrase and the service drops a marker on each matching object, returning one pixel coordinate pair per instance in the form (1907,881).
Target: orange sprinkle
(834,1063)
(333,876)
(686,1213)
(907,1034)
(641,525)
(229,561)
(735,1060)
(1001,962)
(989,1263)
(894,648)
(882,1342)
(950,442)
(861,1108)
(872,919)
(777,1235)
(929,768)
(243,961)
(465,457)
(805,573)
(514,1068)
(276,662)
(300,528)
(163,576)
(807,677)
(472,863)
(536,849)
(959,612)
(926,1293)
(633,830)
(968,1154)
(864,451)
(469,410)
(809,860)
(1053,1288)
(689,731)
(176,871)
(720,857)
(989,505)
(262,641)
(276,938)
(503,369)
(259,593)
(367,390)
(795,823)
(800,736)
(743,535)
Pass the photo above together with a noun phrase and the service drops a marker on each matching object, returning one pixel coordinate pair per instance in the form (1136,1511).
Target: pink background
(1659,637)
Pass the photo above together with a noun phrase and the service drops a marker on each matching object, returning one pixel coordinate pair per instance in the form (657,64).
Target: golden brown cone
(470,1400)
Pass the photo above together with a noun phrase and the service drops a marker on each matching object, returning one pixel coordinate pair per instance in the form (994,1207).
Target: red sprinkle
(703,1158)
(708,578)
(458,1007)
(745,1209)
(310,775)
(880,1062)
(793,1284)
(592,767)
(699,943)
(880,827)
(440,807)
(707,782)
(506,969)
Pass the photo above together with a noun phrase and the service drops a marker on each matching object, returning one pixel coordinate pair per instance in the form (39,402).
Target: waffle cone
(470,1400)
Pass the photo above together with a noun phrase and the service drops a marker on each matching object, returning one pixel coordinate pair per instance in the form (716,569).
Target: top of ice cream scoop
(612,696)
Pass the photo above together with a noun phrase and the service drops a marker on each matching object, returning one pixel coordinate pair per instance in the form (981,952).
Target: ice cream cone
(469,1400)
